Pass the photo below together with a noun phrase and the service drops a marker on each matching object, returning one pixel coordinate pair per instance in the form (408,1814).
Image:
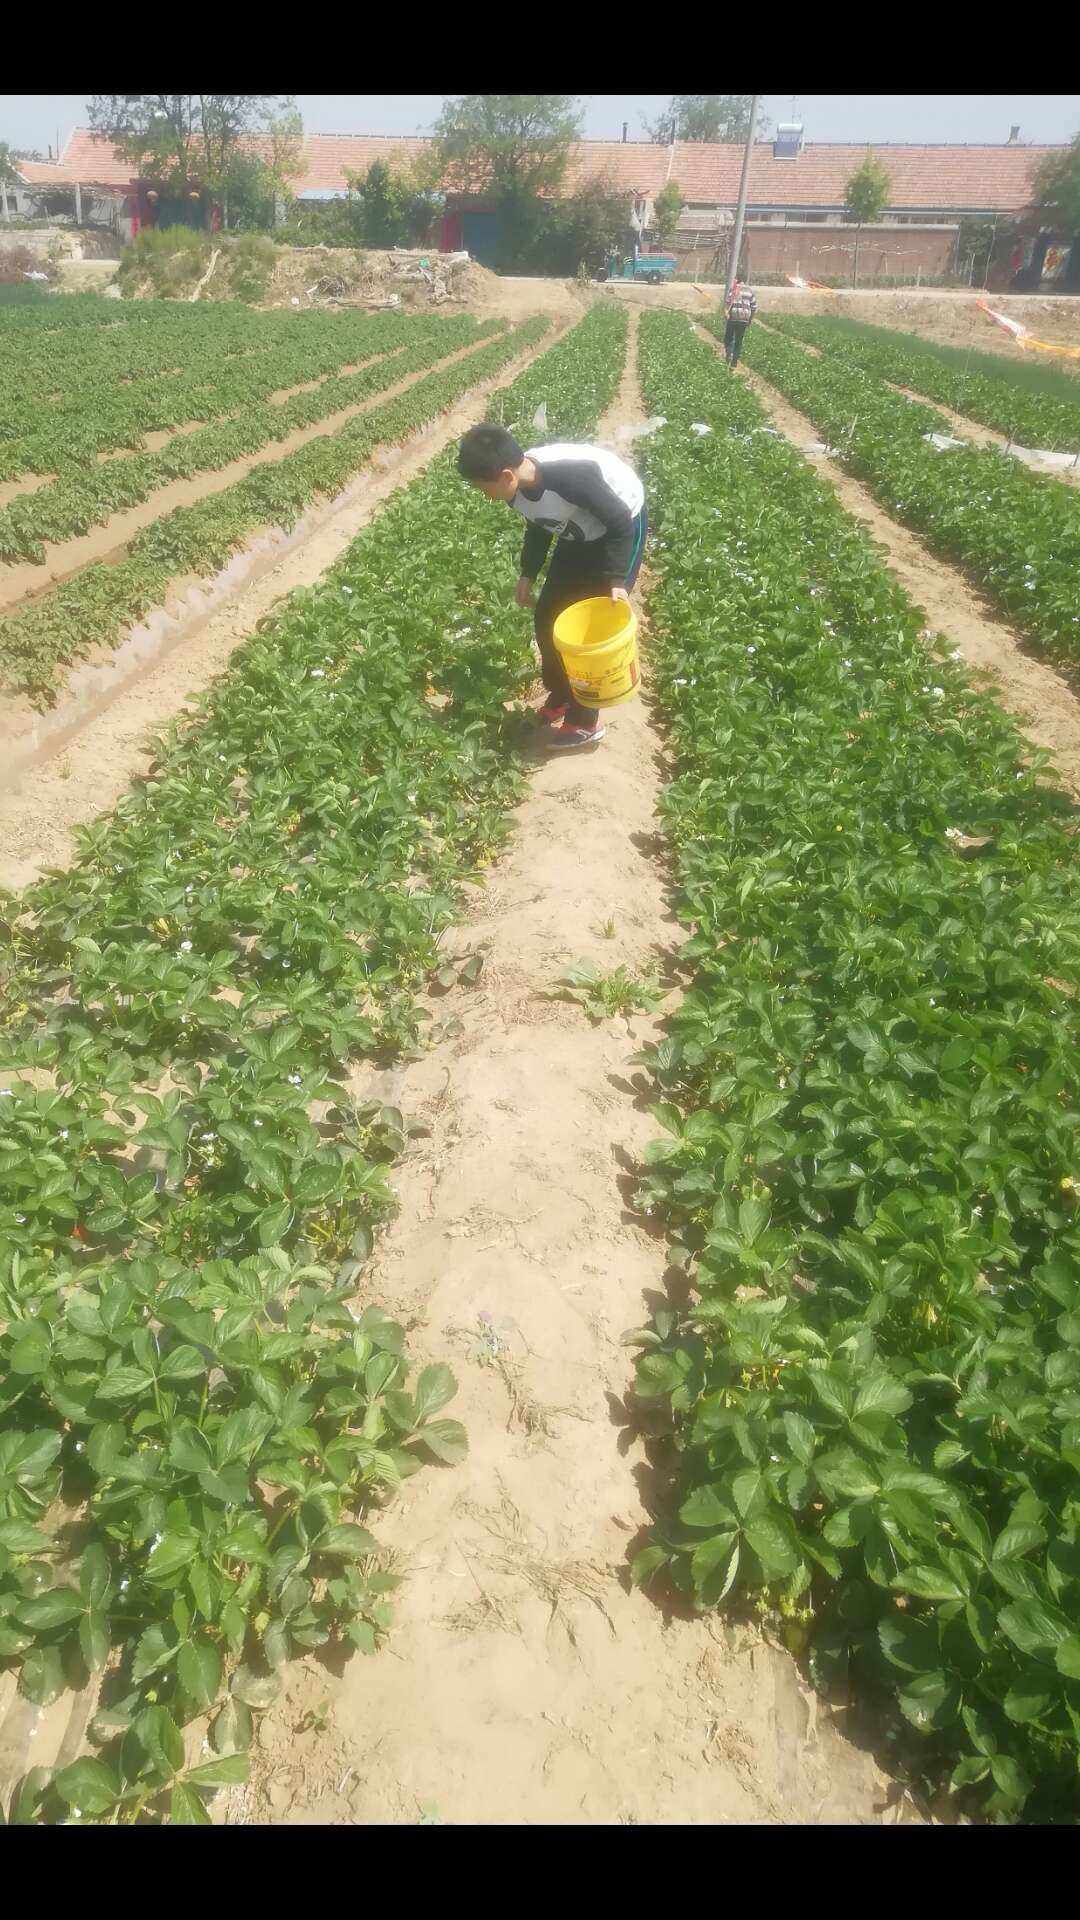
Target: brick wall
(826,250)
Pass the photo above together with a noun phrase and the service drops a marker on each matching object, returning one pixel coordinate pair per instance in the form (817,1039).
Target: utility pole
(740,213)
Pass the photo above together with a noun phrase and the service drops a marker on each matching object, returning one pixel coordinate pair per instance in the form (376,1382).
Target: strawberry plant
(1015,534)
(199,1415)
(1038,406)
(98,604)
(869,1103)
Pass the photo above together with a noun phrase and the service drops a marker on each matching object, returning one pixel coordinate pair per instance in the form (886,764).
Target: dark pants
(733,339)
(572,576)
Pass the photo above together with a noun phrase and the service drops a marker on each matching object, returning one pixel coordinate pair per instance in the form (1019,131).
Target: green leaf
(183,1363)
(186,1809)
(350,1541)
(446,1439)
(198,1665)
(173,1552)
(159,1735)
(714,1566)
(41,1676)
(705,1508)
(880,1393)
(1026,1701)
(1067,1656)
(435,1388)
(929,1700)
(89,1785)
(52,1609)
(231,1729)
(95,1581)
(94,1639)
(1010,1778)
(801,1437)
(255,1689)
(275,1223)
(156,1648)
(646,1563)
(753,1219)
(228,1770)
(1033,1627)
(774,1544)
(23,1807)
(927,1583)
(18,1536)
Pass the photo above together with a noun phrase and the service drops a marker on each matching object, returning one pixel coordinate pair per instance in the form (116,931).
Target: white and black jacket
(584,495)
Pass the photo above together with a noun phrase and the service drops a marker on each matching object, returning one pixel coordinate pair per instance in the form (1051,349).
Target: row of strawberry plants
(189,1198)
(99,603)
(78,501)
(63,368)
(1016,535)
(574,386)
(870,1099)
(985,387)
(207,388)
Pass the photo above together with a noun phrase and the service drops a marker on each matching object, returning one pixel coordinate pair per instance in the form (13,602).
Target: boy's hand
(620,593)
(523,592)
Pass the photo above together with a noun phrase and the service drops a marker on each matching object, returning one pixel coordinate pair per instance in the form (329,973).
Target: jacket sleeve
(534,550)
(582,483)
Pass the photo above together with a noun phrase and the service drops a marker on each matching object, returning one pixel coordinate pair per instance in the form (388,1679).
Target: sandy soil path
(1039,698)
(524,1683)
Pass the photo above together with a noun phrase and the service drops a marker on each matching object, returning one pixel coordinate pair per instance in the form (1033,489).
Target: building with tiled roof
(795,195)
(938,179)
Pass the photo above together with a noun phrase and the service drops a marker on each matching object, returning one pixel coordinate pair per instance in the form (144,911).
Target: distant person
(740,312)
(593,505)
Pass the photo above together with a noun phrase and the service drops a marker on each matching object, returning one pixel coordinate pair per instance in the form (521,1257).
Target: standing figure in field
(740,312)
(593,505)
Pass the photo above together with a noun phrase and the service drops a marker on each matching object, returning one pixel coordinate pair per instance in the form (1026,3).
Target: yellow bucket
(598,644)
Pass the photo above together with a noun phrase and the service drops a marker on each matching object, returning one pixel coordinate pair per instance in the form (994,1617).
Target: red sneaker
(563,739)
(551,713)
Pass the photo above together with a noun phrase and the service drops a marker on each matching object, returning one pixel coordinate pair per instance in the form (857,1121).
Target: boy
(595,505)
(741,310)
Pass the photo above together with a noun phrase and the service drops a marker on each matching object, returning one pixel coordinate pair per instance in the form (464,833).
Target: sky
(32,119)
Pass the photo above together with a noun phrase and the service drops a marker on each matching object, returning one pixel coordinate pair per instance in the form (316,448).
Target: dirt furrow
(525,1682)
(1031,691)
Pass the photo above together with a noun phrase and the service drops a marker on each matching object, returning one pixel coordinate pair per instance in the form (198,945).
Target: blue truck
(654,268)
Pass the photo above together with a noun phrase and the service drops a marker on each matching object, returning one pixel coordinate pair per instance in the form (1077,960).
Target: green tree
(184,139)
(719,117)
(667,207)
(9,175)
(581,230)
(395,209)
(865,197)
(1056,196)
(511,147)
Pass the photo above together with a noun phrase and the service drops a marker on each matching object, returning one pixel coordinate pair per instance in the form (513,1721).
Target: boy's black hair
(486,450)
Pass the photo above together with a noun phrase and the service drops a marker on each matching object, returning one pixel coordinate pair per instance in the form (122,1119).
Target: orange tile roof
(992,179)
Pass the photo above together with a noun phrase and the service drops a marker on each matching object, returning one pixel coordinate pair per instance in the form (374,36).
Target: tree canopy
(1057,188)
(721,117)
(514,144)
(867,191)
(186,138)
(667,207)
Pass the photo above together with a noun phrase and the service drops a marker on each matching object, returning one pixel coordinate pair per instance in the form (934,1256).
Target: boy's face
(503,487)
